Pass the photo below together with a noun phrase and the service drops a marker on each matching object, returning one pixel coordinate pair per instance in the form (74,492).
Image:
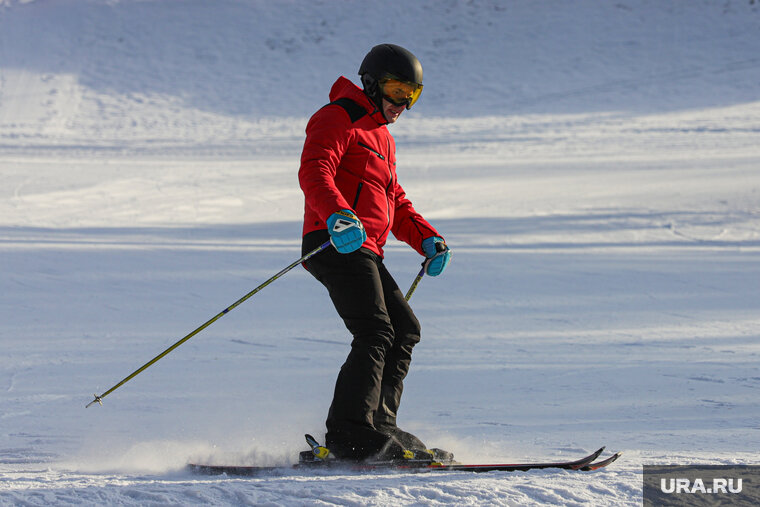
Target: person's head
(392,79)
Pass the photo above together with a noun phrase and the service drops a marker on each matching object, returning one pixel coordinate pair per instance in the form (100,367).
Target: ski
(585,464)
(601,464)
(514,467)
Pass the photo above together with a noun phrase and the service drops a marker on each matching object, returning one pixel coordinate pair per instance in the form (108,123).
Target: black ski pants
(384,329)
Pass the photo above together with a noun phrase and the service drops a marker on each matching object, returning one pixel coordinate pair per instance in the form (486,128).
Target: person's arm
(408,225)
(327,138)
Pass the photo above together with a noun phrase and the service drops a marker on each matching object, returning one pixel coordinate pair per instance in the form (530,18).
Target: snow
(593,165)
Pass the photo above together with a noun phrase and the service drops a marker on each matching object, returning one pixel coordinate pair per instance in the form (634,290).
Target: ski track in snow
(600,193)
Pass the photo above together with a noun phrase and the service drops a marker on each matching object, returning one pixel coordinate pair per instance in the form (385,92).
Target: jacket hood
(345,88)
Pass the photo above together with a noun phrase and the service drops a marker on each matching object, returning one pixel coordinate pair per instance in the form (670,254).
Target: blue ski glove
(346,231)
(438,255)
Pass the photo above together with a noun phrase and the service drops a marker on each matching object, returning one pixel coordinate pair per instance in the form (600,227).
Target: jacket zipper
(358,191)
(371,150)
(388,189)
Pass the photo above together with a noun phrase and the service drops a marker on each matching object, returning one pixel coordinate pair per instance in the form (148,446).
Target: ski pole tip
(98,400)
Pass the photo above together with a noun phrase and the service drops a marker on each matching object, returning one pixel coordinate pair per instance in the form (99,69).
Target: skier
(353,199)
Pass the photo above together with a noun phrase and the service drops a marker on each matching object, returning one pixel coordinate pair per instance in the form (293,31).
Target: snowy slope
(594,166)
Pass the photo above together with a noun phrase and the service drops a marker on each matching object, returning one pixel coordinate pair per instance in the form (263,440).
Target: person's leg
(355,287)
(406,335)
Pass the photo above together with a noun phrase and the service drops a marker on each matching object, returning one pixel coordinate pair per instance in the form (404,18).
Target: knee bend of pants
(371,333)
(407,332)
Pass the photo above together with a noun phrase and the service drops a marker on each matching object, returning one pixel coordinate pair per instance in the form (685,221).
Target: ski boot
(441,456)
(318,453)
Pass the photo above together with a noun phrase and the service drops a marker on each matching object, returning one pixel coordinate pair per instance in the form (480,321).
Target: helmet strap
(372,90)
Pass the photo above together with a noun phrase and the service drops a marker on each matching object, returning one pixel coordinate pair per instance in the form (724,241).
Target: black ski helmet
(388,60)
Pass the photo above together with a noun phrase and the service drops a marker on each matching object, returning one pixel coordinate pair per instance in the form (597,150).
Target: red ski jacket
(349,164)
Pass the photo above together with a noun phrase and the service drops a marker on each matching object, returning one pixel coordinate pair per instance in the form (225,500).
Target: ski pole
(99,399)
(415,282)
(422,272)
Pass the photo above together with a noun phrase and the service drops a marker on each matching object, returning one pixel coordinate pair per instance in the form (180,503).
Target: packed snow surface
(592,165)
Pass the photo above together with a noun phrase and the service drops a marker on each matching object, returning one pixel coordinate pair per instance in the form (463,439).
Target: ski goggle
(399,92)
